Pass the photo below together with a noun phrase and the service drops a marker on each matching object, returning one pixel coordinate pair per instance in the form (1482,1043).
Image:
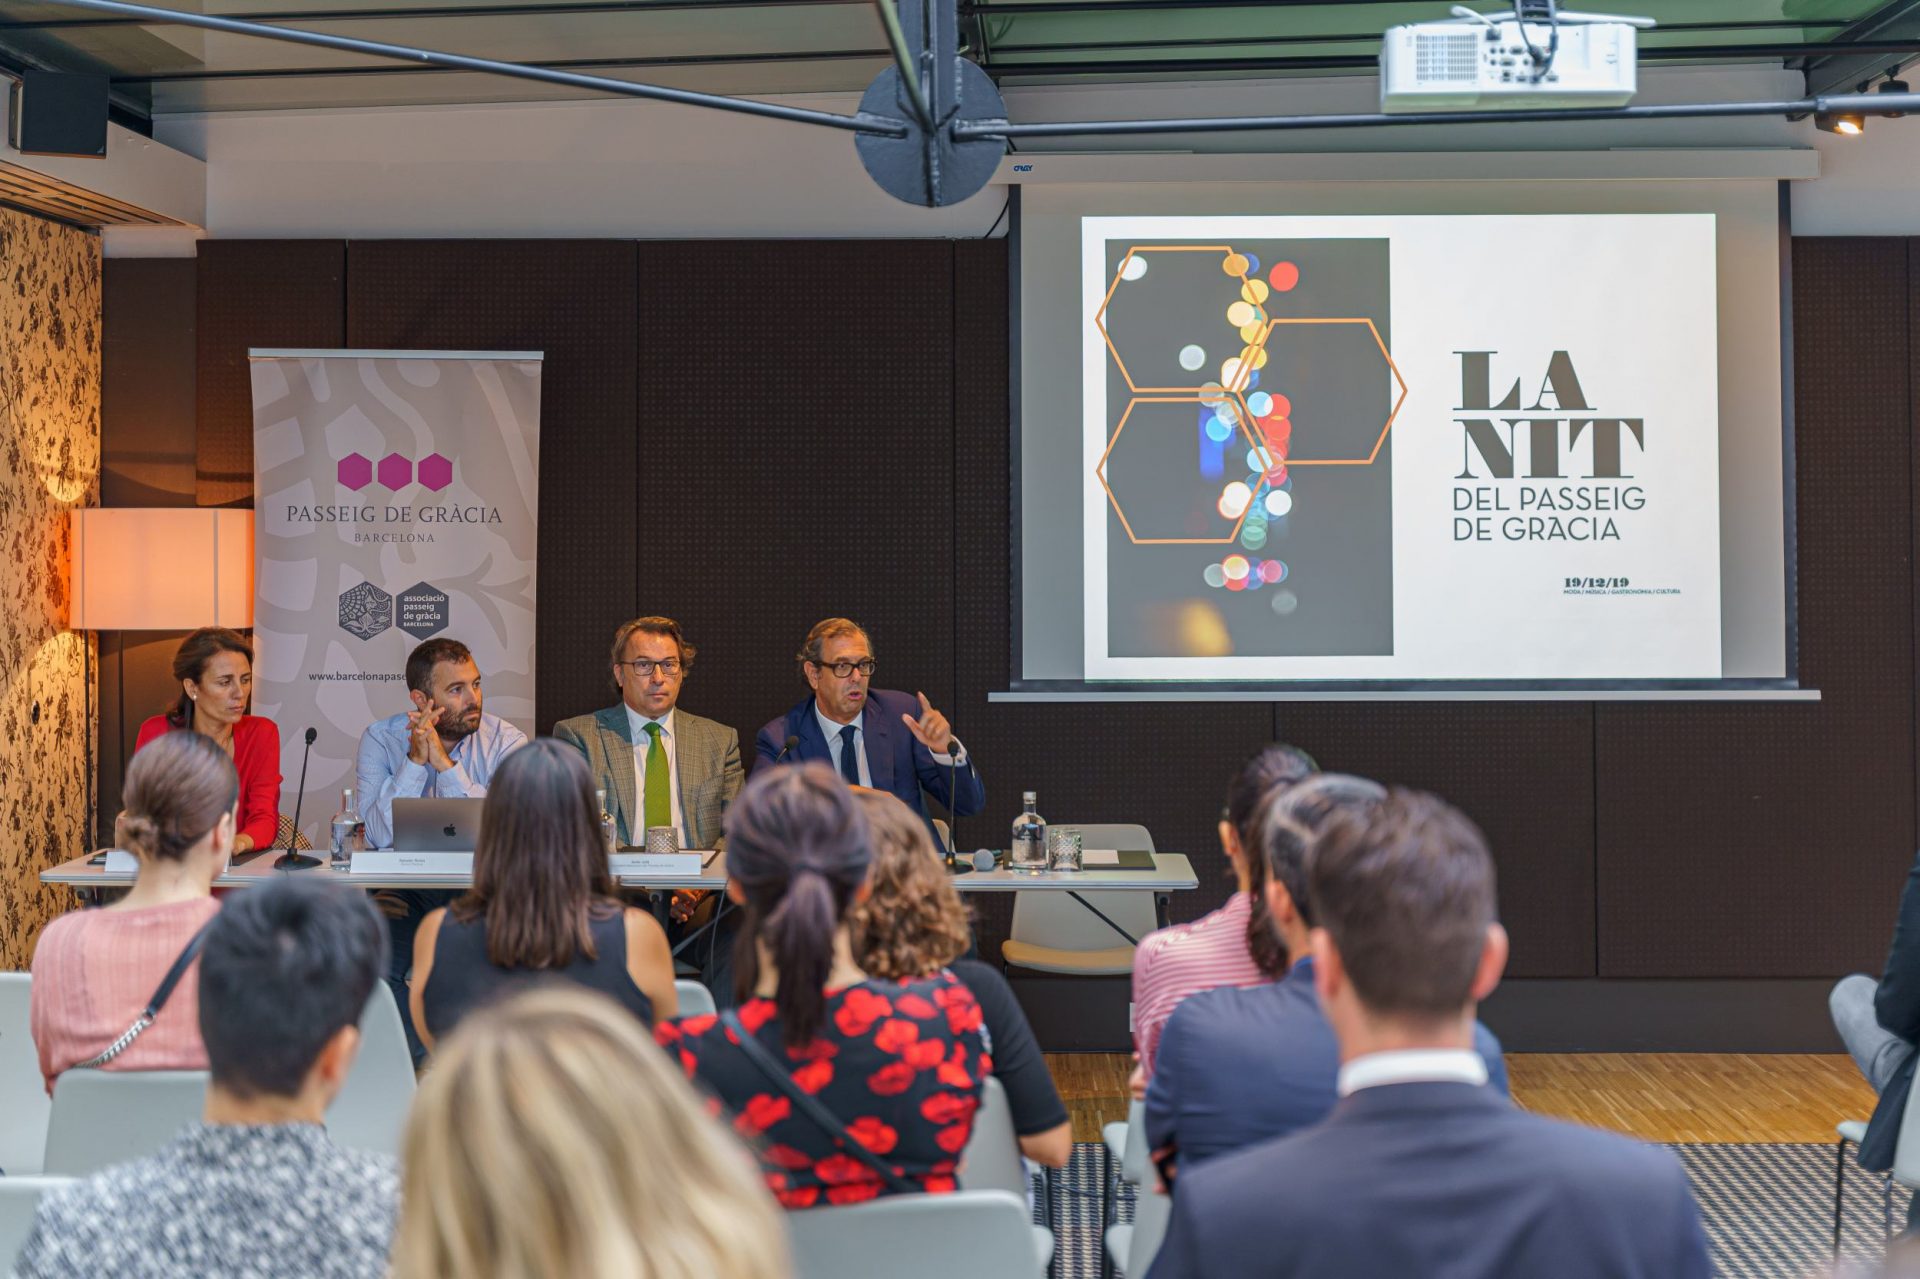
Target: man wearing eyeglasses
(894,742)
(660,766)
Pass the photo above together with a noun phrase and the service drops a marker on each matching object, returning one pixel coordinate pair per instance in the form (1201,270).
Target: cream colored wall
(49,463)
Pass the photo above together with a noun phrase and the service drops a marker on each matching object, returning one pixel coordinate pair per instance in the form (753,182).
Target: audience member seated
(1880,1023)
(912,924)
(543,905)
(95,970)
(257,1188)
(215,669)
(1240,1066)
(1421,1166)
(895,1067)
(552,1138)
(1232,946)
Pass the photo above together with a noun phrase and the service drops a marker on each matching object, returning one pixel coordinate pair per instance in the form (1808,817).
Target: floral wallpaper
(49,463)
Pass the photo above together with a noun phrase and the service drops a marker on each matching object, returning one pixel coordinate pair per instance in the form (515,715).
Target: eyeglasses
(643,668)
(844,669)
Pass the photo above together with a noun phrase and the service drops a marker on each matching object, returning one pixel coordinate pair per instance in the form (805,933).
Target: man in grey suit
(1422,1169)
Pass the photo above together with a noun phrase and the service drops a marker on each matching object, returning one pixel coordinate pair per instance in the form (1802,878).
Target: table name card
(386,861)
(664,865)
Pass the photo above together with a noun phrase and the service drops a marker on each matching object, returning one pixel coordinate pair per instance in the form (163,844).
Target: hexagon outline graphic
(441,467)
(359,466)
(1392,368)
(1100,471)
(395,472)
(1126,375)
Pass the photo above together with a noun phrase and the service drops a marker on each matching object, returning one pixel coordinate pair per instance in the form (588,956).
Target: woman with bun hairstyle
(94,970)
(214,667)
(896,1065)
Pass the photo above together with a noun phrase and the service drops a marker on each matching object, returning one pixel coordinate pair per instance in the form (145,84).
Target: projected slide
(1462,447)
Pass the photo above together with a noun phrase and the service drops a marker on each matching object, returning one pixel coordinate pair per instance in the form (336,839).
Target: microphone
(793,743)
(291,860)
(984,859)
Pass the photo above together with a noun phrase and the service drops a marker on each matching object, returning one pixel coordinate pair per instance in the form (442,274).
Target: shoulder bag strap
(159,1000)
(810,1106)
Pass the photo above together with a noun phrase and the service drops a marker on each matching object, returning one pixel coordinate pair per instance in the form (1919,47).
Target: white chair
(946,835)
(1906,1162)
(695,1000)
(104,1117)
(19,1197)
(23,1093)
(992,1158)
(1133,1245)
(969,1235)
(1053,933)
(1127,1160)
(371,1111)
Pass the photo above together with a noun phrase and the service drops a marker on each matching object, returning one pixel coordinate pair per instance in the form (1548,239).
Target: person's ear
(1493,962)
(812,673)
(1329,974)
(1280,904)
(225,831)
(1230,841)
(734,894)
(336,1059)
(419,699)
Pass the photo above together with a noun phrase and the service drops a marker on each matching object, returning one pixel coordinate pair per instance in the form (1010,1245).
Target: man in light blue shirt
(446,747)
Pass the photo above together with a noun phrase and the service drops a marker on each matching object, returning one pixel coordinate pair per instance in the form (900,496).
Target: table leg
(1160,901)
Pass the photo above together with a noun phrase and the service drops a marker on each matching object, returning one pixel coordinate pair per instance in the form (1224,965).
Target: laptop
(436,825)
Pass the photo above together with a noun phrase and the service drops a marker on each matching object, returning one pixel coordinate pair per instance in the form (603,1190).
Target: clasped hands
(423,740)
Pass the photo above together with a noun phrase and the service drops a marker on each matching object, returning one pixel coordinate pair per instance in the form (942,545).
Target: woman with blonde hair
(552,1137)
(912,924)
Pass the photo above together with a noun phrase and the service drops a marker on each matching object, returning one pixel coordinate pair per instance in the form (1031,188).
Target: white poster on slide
(1472,447)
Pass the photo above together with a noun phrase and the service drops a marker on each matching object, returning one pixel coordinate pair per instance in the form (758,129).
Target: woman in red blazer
(215,670)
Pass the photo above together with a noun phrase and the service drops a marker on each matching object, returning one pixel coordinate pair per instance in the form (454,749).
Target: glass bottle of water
(609,832)
(1029,849)
(348,830)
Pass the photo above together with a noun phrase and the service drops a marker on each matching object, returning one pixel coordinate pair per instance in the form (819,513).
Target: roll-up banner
(396,499)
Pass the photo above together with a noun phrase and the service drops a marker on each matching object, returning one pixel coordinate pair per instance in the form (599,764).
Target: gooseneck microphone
(291,860)
(793,743)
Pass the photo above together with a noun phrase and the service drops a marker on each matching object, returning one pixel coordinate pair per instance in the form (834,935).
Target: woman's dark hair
(177,789)
(798,846)
(540,871)
(190,662)
(1268,770)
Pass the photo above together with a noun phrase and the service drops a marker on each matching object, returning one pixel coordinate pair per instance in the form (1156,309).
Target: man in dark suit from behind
(1421,1169)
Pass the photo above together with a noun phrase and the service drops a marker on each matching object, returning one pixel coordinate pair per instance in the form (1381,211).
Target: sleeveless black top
(463,978)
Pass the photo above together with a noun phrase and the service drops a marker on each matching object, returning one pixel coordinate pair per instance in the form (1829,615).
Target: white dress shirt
(830,729)
(1413,1065)
(637,734)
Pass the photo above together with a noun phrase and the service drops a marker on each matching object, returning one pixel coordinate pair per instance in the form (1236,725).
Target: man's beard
(454,730)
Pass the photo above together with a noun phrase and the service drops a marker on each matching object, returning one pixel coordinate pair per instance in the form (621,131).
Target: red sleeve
(256,755)
(157,726)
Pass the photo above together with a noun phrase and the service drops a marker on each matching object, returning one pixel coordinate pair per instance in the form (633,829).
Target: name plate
(660,865)
(120,861)
(386,861)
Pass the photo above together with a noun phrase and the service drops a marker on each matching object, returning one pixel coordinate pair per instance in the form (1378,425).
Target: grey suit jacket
(706,755)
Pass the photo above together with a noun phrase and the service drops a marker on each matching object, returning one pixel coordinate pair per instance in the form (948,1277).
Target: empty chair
(19,1196)
(1132,1245)
(371,1111)
(992,1159)
(106,1117)
(23,1093)
(969,1235)
(1906,1162)
(1053,933)
(695,1000)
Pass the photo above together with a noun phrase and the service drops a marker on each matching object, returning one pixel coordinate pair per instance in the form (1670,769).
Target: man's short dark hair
(1406,891)
(426,656)
(284,967)
(1291,821)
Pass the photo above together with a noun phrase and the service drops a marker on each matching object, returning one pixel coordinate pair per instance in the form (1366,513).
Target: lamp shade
(161,569)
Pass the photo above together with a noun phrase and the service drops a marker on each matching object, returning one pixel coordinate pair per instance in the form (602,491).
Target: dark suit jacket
(896,761)
(1896,1006)
(706,758)
(1438,1181)
(1239,1066)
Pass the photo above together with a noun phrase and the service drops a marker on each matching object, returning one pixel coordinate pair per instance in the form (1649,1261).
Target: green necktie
(658,801)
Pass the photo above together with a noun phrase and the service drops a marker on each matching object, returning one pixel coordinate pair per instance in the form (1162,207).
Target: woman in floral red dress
(897,1064)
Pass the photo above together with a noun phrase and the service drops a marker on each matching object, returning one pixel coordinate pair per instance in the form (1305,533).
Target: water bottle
(1029,853)
(609,832)
(348,830)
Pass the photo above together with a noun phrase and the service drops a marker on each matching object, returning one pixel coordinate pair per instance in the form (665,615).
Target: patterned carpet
(1768,1209)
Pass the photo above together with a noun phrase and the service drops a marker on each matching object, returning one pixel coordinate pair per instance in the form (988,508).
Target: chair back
(371,1111)
(1048,918)
(105,1117)
(967,1235)
(1135,1166)
(945,832)
(19,1197)
(992,1159)
(695,1000)
(23,1093)
(1152,1213)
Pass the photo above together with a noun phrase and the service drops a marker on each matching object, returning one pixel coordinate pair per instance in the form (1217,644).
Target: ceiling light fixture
(1850,123)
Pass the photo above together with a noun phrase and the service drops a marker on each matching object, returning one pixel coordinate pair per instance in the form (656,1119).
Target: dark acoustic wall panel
(573,300)
(254,293)
(795,425)
(1523,773)
(1771,841)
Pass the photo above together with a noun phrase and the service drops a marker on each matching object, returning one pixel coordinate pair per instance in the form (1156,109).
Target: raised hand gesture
(931,729)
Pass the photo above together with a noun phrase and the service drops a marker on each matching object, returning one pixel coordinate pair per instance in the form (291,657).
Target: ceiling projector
(1533,56)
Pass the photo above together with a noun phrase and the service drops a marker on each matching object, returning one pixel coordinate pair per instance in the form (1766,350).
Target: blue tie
(849,762)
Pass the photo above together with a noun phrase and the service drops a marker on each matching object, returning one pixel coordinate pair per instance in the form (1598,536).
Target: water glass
(662,841)
(1063,848)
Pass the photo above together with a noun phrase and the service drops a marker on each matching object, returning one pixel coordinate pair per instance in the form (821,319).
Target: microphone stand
(292,859)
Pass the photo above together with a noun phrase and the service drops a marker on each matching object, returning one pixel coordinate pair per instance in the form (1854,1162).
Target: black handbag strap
(809,1105)
(161,994)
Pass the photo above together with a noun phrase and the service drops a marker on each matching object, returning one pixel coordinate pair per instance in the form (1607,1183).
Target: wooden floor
(1653,1096)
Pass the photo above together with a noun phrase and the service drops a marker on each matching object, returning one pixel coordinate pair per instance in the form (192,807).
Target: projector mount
(932,129)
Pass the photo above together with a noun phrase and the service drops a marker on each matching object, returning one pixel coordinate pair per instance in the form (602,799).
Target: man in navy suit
(871,736)
(1422,1169)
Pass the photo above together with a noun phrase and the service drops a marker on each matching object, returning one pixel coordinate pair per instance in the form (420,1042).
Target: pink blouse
(94,970)
(1176,962)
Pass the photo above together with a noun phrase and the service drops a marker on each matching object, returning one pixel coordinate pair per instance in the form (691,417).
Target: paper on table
(1099,857)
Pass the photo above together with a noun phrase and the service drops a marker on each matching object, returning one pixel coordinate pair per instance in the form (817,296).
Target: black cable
(1543,11)
(1003,214)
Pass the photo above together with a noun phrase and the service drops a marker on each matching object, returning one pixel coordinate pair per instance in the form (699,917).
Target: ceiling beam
(459,11)
(1829,72)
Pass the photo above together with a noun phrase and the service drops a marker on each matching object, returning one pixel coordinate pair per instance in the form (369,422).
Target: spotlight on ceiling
(1851,123)
(1892,85)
